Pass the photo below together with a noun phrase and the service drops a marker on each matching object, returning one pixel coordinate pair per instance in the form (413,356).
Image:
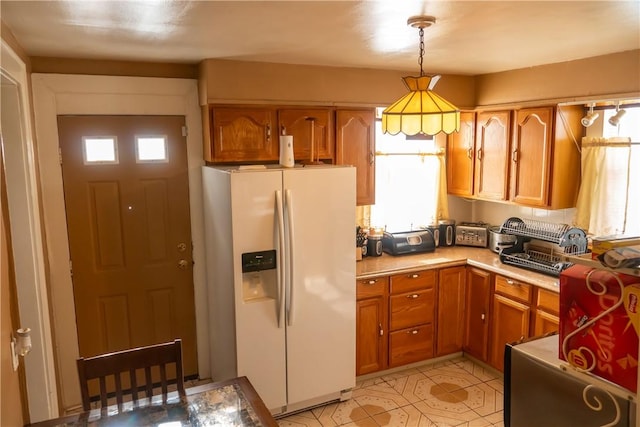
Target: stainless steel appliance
(472,234)
(408,242)
(542,390)
(499,240)
(447,229)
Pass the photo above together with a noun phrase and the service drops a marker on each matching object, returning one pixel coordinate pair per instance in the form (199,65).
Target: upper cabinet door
(307,124)
(492,153)
(461,156)
(243,134)
(355,145)
(531,156)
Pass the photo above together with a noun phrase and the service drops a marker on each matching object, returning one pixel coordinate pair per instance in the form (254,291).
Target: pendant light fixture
(421,111)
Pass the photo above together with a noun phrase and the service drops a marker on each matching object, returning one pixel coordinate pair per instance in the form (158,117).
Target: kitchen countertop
(450,257)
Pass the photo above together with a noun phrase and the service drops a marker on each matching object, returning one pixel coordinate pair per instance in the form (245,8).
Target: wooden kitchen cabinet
(477,309)
(411,315)
(510,317)
(242,134)
(545,161)
(493,131)
(371,325)
(545,317)
(461,156)
(450,317)
(307,123)
(355,145)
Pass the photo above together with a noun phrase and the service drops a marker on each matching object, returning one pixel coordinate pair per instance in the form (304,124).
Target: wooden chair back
(129,362)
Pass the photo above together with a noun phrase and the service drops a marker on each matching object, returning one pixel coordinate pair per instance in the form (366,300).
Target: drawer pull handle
(413,332)
(512,282)
(414,276)
(372,282)
(413,296)
(482,317)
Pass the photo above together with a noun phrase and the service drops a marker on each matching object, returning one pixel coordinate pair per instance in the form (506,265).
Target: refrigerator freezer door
(321,333)
(260,340)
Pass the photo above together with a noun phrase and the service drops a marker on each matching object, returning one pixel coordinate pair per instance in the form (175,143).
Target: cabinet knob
(381,331)
(482,317)
(414,276)
(372,282)
(413,296)
(512,282)
(268,132)
(413,332)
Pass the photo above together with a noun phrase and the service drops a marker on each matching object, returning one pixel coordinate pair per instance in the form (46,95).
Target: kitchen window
(410,181)
(608,202)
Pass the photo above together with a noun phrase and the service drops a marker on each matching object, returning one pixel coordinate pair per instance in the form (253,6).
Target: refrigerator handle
(290,260)
(281,257)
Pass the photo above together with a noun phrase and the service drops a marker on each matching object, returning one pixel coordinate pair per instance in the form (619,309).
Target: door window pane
(99,149)
(151,149)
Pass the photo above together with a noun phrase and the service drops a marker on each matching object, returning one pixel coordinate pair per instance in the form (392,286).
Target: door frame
(58,94)
(28,251)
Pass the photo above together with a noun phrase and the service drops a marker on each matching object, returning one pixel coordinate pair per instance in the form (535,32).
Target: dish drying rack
(547,259)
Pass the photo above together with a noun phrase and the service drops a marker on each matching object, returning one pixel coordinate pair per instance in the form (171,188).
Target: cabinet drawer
(401,283)
(411,345)
(412,308)
(366,288)
(514,289)
(548,301)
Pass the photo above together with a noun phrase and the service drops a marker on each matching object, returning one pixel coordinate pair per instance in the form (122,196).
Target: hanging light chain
(421,50)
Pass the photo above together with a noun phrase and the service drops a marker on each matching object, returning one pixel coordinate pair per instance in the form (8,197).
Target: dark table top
(227,403)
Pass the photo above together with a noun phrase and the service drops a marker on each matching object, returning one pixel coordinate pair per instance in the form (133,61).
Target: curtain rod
(609,144)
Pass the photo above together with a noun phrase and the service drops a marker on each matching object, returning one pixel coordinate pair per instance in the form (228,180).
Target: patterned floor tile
(407,416)
(497,384)
(378,399)
(484,399)
(454,392)
(407,385)
(337,414)
(453,375)
(445,416)
(302,419)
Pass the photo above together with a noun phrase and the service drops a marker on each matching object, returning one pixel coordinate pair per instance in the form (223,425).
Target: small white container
(286,151)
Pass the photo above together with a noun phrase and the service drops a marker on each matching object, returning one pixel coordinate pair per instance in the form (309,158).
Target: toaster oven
(472,234)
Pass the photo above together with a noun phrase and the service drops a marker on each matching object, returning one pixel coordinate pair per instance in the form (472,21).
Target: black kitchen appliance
(408,242)
(447,230)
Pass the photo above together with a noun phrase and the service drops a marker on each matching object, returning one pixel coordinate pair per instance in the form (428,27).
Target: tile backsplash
(497,213)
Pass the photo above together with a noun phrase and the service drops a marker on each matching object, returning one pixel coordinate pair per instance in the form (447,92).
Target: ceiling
(469,37)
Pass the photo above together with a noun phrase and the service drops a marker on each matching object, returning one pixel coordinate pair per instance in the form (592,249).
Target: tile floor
(453,392)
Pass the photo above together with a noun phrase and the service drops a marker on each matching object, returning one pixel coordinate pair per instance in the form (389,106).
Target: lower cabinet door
(411,345)
(370,335)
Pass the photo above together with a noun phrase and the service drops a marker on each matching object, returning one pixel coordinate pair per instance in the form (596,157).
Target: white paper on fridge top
(286,151)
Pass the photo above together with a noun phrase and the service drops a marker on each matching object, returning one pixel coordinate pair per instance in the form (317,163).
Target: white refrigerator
(281,280)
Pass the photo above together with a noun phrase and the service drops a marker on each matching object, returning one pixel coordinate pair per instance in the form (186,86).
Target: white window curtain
(411,190)
(608,201)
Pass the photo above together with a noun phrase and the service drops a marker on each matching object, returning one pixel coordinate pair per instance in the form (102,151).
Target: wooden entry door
(127,204)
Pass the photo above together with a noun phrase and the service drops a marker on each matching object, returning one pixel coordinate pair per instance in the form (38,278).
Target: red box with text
(599,323)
